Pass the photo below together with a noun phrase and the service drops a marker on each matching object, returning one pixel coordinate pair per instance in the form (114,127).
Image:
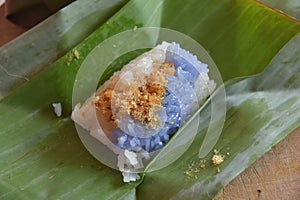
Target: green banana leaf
(41,156)
(290,7)
(50,40)
(261,110)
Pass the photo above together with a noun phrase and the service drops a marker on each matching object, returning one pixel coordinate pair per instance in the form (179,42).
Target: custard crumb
(146,97)
(194,168)
(143,99)
(189,173)
(202,163)
(217,158)
(69,60)
(76,54)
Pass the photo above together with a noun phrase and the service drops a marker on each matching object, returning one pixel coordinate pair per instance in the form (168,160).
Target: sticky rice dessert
(142,106)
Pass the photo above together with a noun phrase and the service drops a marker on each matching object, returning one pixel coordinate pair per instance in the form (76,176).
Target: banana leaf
(41,156)
(261,110)
(50,40)
(290,7)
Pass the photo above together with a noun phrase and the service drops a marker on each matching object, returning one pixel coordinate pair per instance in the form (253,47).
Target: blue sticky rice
(179,103)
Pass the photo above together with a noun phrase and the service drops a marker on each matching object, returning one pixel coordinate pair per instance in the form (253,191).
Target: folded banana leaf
(41,156)
(261,110)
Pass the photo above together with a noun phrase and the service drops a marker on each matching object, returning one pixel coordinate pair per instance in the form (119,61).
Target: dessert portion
(138,110)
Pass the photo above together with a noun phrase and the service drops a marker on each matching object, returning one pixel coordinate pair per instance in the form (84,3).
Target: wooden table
(8,30)
(274,176)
